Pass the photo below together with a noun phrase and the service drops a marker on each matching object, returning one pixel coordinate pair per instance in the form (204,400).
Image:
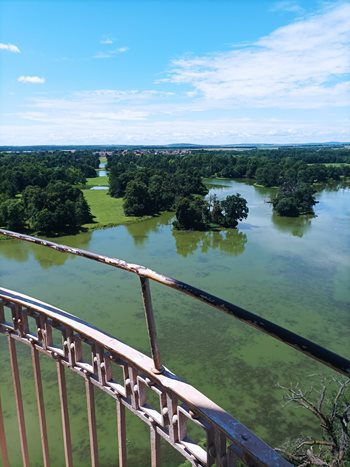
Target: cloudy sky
(174,71)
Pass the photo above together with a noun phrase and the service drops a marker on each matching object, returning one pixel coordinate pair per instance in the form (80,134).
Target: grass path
(97,181)
(107,211)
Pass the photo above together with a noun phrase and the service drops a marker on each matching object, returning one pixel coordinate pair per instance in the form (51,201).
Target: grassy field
(97,181)
(108,211)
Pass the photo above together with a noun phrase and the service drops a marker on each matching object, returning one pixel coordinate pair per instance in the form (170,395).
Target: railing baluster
(179,402)
(3,445)
(90,400)
(19,401)
(64,414)
(41,406)
(121,428)
(151,325)
(155,447)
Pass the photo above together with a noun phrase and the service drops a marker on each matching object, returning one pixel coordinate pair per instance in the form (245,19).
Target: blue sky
(170,71)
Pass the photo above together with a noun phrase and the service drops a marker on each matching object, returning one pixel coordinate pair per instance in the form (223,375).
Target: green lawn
(97,181)
(108,211)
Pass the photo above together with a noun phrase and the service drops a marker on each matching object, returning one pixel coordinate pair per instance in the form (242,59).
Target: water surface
(295,272)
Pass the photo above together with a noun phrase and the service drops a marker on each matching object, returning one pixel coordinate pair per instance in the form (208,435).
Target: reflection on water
(99,187)
(140,231)
(230,241)
(46,257)
(14,249)
(297,226)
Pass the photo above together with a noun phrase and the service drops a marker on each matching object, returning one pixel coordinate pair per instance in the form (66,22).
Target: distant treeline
(153,182)
(39,191)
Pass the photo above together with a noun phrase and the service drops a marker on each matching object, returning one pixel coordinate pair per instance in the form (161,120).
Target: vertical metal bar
(151,325)
(19,401)
(155,447)
(90,401)
(220,448)
(41,406)
(3,445)
(121,428)
(173,420)
(64,414)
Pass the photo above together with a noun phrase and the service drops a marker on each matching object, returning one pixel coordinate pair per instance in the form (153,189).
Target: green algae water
(295,272)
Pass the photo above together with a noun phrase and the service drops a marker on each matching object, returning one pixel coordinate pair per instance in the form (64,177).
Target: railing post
(41,406)
(151,325)
(19,401)
(3,445)
(90,400)
(121,428)
(64,414)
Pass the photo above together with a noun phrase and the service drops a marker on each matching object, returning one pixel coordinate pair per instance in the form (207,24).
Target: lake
(295,272)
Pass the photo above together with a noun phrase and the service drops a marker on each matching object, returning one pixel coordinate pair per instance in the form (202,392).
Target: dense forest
(152,182)
(40,191)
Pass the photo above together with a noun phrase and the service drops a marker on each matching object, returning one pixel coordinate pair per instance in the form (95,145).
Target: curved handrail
(306,346)
(193,404)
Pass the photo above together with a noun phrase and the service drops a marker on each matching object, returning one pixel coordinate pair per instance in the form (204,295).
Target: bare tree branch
(330,405)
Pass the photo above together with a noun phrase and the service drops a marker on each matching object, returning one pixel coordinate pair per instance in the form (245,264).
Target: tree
(235,209)
(330,404)
(57,208)
(294,198)
(217,216)
(137,199)
(12,215)
(286,206)
(191,214)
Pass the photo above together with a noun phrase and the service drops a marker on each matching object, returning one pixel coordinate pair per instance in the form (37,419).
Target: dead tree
(330,404)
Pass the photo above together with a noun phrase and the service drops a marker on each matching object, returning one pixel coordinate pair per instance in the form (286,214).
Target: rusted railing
(227,441)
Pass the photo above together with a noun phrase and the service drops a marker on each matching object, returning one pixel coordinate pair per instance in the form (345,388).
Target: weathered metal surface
(18,396)
(121,430)
(151,325)
(155,447)
(301,344)
(41,406)
(179,403)
(90,400)
(67,442)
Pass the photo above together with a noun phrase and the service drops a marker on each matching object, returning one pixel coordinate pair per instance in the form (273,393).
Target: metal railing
(227,441)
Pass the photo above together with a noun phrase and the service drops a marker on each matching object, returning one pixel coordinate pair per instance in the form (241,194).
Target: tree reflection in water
(296,226)
(230,241)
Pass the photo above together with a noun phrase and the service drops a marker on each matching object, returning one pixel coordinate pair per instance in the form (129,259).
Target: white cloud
(302,65)
(288,6)
(31,79)
(111,53)
(75,130)
(10,48)
(106,41)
